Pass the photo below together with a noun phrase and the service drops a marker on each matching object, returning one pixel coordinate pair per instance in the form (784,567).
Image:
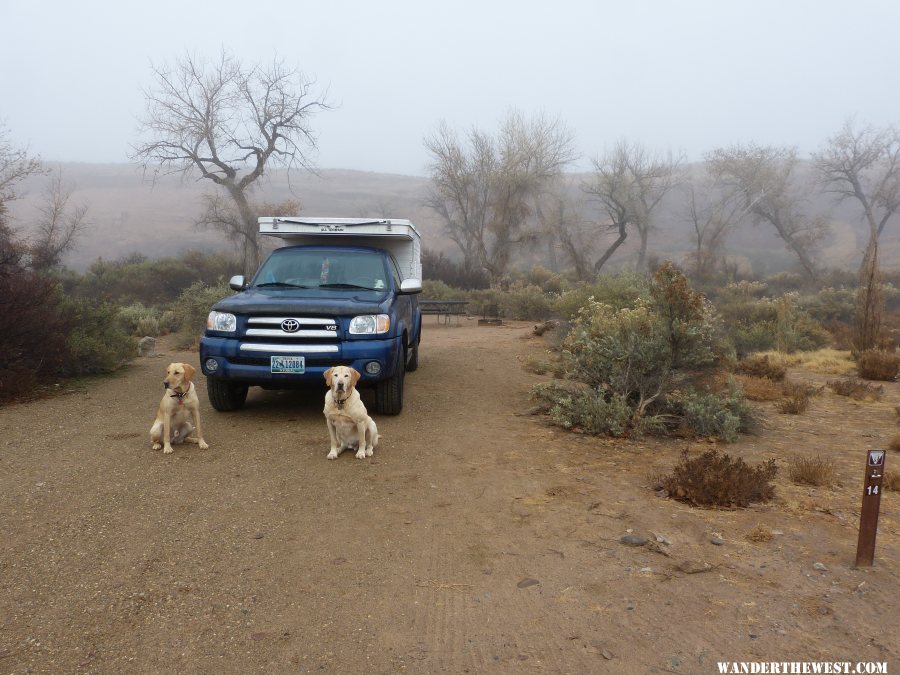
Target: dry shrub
(539,366)
(760,533)
(891,481)
(877,364)
(817,471)
(856,389)
(717,479)
(897,410)
(762,366)
(795,404)
(759,388)
(895,443)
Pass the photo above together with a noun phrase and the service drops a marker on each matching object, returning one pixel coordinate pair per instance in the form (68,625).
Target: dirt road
(477,539)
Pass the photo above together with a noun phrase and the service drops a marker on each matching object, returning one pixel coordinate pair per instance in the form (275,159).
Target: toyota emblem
(290,325)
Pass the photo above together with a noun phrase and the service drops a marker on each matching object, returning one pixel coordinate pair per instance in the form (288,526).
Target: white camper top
(397,236)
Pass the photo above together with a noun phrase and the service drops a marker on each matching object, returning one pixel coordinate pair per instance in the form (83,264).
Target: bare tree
(713,213)
(58,227)
(864,165)
(229,123)
(220,213)
(765,181)
(15,166)
(563,225)
(484,188)
(629,182)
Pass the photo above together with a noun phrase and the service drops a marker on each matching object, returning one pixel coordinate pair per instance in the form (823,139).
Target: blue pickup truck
(340,292)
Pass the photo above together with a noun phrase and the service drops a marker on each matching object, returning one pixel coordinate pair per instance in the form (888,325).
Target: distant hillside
(128,214)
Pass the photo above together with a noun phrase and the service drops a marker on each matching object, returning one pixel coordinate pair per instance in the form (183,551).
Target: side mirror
(411,286)
(236,283)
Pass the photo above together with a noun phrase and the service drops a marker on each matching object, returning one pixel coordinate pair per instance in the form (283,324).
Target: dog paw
(168,450)
(203,445)
(333,454)
(361,454)
(369,451)
(156,446)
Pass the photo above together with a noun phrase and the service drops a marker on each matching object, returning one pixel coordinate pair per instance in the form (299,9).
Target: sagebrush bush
(633,358)
(877,364)
(795,404)
(616,290)
(528,303)
(759,388)
(717,479)
(97,343)
(710,414)
(192,309)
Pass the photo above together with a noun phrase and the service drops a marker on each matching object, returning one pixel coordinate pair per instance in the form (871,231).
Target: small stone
(718,541)
(662,539)
(525,583)
(694,567)
(633,540)
(258,535)
(607,654)
(819,566)
(647,570)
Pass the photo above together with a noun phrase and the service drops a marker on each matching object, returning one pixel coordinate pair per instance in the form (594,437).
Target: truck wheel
(389,393)
(225,396)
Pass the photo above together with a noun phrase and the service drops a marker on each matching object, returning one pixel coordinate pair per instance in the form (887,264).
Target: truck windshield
(296,268)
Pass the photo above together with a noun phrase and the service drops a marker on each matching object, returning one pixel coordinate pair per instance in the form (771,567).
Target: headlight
(221,321)
(370,324)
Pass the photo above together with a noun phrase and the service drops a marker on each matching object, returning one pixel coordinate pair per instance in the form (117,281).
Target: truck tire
(225,396)
(389,392)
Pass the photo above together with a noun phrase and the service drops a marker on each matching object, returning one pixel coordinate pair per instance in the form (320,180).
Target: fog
(686,75)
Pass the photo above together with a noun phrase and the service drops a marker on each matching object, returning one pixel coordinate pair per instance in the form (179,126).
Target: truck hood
(303,301)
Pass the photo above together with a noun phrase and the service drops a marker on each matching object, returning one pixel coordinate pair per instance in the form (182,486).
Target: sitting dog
(349,425)
(179,411)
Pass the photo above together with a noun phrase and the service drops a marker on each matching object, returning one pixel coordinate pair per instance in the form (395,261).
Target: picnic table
(444,309)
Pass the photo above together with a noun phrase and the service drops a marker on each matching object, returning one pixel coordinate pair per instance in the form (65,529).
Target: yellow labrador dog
(349,425)
(179,411)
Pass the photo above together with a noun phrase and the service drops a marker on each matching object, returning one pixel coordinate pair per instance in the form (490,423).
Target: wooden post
(871,501)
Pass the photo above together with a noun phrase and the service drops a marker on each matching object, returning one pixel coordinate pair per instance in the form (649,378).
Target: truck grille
(292,328)
(290,335)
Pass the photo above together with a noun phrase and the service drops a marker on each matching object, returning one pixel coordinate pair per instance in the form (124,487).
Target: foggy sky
(679,75)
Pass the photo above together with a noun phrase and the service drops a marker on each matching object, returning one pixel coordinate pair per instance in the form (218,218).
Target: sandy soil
(477,539)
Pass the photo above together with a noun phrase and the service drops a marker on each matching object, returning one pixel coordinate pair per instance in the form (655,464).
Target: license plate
(288,364)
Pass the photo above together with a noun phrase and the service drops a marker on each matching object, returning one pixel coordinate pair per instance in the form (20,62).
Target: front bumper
(250,362)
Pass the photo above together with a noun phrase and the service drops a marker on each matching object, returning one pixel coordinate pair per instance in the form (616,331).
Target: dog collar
(180,396)
(341,401)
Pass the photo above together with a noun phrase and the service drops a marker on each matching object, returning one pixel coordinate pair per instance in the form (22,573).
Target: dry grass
(794,405)
(894,443)
(891,481)
(538,366)
(760,534)
(761,365)
(822,361)
(856,389)
(876,364)
(817,471)
(759,388)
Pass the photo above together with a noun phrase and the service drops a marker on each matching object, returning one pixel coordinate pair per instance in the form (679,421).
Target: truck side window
(394,272)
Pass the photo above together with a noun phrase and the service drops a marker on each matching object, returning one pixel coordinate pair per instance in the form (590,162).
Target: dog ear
(354,376)
(327,375)
(189,371)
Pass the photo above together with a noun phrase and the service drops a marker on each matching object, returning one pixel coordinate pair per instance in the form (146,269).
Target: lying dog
(349,425)
(177,409)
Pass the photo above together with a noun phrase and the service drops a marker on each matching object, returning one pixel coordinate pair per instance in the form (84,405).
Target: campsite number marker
(868,518)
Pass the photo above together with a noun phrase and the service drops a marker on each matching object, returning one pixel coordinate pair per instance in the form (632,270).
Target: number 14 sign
(868,518)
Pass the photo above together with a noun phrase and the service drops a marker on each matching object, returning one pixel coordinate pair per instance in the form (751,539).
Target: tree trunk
(623,233)
(250,239)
